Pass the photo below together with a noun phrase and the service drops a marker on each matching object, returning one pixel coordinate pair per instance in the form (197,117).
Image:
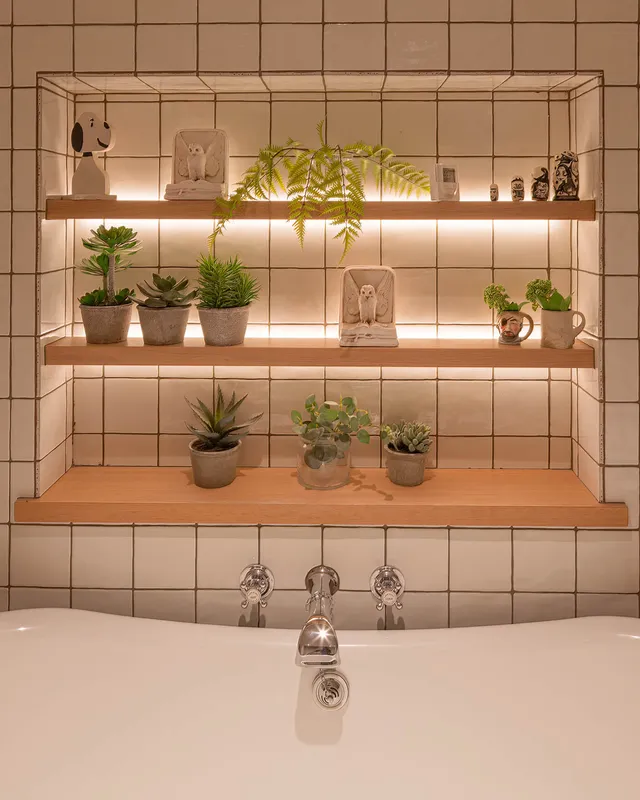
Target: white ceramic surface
(97,707)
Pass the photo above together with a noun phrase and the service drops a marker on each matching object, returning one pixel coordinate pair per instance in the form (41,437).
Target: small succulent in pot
(558,330)
(510,318)
(164,311)
(326,436)
(406,445)
(106,312)
(226,291)
(214,451)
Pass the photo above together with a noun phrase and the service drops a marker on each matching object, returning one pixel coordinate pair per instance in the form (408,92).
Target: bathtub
(98,707)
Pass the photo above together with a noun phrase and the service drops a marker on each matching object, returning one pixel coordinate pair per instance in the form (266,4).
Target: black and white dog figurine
(91,135)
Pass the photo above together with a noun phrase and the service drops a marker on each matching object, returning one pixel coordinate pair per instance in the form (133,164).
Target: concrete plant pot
(558,330)
(106,324)
(213,468)
(222,327)
(162,326)
(405,469)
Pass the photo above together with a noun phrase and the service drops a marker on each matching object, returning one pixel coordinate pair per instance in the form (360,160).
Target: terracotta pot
(510,324)
(213,468)
(558,330)
(163,325)
(222,327)
(106,324)
(405,469)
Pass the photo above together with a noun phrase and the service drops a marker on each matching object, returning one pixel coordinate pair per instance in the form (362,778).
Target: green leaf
(296,417)
(363,436)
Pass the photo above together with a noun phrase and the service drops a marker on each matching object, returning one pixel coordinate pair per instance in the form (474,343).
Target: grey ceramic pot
(222,327)
(106,324)
(405,469)
(213,468)
(163,325)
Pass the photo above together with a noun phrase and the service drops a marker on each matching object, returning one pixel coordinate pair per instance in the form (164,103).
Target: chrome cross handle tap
(256,585)
(387,587)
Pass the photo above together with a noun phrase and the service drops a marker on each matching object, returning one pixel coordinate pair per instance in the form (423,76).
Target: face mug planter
(558,330)
(510,324)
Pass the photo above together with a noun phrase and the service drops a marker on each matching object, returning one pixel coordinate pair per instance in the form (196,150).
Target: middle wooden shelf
(320,352)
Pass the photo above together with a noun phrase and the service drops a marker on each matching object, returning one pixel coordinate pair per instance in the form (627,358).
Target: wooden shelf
(537,498)
(320,352)
(386,209)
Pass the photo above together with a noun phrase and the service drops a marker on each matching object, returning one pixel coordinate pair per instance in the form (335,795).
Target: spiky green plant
(225,284)
(327,181)
(111,246)
(219,430)
(407,437)
(541,293)
(495,296)
(329,429)
(166,292)
(98,297)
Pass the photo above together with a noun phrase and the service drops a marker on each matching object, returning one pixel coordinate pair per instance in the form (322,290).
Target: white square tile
(257,402)
(620,379)
(464,129)
(222,11)
(23,430)
(560,455)
(366,249)
(357,611)
(409,400)
(419,611)
(39,598)
(104,48)
(164,557)
(621,180)
(621,112)
(277,53)
(544,10)
(349,122)
(221,607)
(621,428)
(285,250)
(512,452)
(297,296)
(43,13)
(422,556)
(589,424)
(290,552)
(613,48)
(480,46)
(521,408)
(560,408)
(354,47)
(246,124)
(468,609)
(4,555)
(24,242)
(416,296)
(543,607)
(104,601)
(136,127)
(473,249)
(24,173)
(182,242)
(134,178)
(521,128)
(608,605)
(558,52)
(460,296)
(87,449)
(231,48)
(40,49)
(5,182)
(621,293)
(607,561)
(173,606)
(40,555)
(289,395)
(408,245)
(167,11)
(594,11)
(174,412)
(87,405)
(417,46)
(130,450)
(354,11)
(296,120)
(117,11)
(460,452)
(544,561)
(480,560)
(410,126)
(24,117)
(130,406)
(354,553)
(417,10)
(52,423)
(166,47)
(480,10)
(464,407)
(521,246)
(620,235)
(102,556)
(621,486)
(223,553)
(178,115)
(286,610)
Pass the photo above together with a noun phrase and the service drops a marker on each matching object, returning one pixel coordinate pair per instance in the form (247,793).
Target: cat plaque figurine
(200,165)
(566,176)
(367,314)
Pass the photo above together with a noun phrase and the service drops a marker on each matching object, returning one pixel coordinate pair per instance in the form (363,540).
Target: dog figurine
(91,135)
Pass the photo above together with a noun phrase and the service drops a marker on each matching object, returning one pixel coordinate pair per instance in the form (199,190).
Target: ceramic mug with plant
(326,432)
(226,291)
(164,311)
(510,318)
(558,330)
(106,312)
(214,451)
(406,446)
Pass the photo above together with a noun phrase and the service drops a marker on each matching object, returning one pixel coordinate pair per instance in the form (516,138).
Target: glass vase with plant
(326,432)
(226,291)
(406,446)
(106,312)
(164,309)
(214,451)
(556,316)
(510,318)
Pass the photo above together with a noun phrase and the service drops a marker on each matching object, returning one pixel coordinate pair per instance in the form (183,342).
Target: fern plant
(111,246)
(225,284)
(328,181)
(219,430)
(166,292)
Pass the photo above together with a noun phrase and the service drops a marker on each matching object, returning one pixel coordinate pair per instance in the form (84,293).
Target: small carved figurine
(200,165)
(91,135)
(566,177)
(517,188)
(367,307)
(540,184)
(494,192)
(510,324)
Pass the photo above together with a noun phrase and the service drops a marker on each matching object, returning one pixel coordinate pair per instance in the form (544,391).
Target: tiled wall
(491,576)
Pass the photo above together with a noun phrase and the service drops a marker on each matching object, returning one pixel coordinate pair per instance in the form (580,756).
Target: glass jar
(323,465)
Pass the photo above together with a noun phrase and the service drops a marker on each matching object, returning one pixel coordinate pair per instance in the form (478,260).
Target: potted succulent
(509,316)
(558,330)
(164,312)
(325,436)
(106,313)
(214,451)
(226,292)
(406,446)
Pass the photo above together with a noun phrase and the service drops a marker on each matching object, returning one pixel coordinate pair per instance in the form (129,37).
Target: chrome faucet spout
(318,641)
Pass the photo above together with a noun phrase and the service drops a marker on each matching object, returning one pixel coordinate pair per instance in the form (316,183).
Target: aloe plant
(111,246)
(225,284)
(165,293)
(407,437)
(329,429)
(542,293)
(219,430)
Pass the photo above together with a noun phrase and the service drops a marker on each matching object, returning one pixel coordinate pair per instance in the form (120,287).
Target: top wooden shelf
(385,209)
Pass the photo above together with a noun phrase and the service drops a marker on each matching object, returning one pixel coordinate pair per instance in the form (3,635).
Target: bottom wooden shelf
(536,498)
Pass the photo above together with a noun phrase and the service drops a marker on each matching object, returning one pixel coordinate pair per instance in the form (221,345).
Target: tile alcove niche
(492,126)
